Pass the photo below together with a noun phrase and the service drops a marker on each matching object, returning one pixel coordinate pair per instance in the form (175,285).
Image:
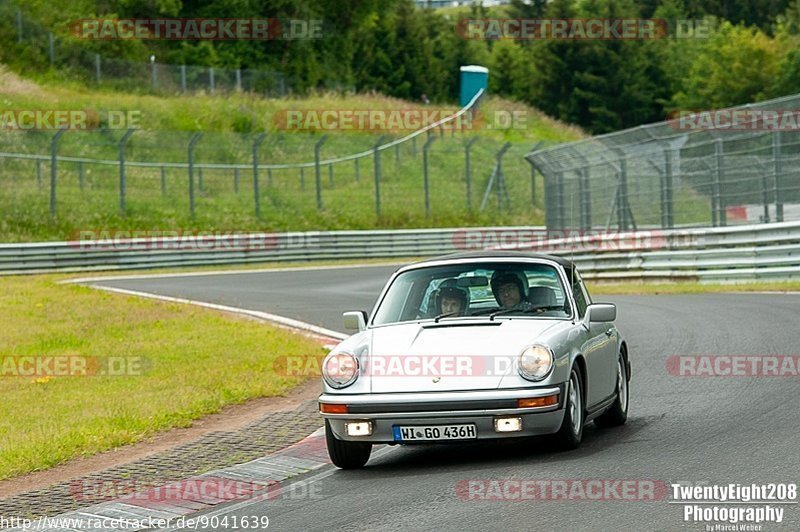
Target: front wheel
(617,414)
(346,454)
(570,434)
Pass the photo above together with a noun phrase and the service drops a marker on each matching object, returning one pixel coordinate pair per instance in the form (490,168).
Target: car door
(599,361)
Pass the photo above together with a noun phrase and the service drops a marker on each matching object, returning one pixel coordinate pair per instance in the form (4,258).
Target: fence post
(533,175)
(122,143)
(211,79)
(235,180)
(153,73)
(192,142)
(425,148)
(238,80)
(317,177)
(717,203)
(560,207)
(777,170)
(163,181)
(358,172)
(765,196)
(623,207)
(256,194)
(52,49)
(97,67)
(667,220)
(502,191)
(302,178)
(330,174)
(54,169)
(183,79)
(376,154)
(468,170)
(585,199)
(39,173)
(80,175)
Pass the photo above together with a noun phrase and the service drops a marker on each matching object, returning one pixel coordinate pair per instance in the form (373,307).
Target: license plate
(434,432)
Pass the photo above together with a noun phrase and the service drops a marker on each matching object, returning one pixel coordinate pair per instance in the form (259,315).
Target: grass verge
(689,287)
(194,361)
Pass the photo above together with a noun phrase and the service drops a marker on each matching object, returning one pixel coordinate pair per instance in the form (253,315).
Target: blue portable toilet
(473,79)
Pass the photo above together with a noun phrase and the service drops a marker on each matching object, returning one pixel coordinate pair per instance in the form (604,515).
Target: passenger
(452,300)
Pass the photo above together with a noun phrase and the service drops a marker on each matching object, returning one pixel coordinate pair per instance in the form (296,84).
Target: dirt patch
(231,418)
(10,83)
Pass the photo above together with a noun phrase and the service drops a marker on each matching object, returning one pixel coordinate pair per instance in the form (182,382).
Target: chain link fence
(291,180)
(694,170)
(33,44)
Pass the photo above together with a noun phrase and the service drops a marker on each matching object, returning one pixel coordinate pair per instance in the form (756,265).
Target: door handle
(609,332)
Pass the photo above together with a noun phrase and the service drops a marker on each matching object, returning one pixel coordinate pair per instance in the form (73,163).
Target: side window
(579,295)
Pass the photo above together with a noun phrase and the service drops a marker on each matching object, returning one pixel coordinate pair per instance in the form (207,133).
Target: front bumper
(446,408)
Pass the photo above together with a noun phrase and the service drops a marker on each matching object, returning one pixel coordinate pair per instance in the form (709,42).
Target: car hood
(448,356)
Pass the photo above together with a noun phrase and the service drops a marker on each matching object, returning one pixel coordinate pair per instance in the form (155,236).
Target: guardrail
(764,251)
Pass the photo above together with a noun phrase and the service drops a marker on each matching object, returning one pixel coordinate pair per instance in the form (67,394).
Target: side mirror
(355,320)
(602,312)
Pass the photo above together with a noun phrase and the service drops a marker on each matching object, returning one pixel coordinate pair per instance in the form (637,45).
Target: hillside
(230,124)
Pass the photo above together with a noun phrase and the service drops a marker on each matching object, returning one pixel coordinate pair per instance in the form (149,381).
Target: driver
(507,288)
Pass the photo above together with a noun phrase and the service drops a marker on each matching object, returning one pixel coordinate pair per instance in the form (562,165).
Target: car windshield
(485,290)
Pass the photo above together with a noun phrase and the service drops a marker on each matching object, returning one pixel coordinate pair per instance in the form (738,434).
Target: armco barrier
(765,251)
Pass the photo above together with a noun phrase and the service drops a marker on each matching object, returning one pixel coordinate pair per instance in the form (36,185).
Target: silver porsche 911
(475,346)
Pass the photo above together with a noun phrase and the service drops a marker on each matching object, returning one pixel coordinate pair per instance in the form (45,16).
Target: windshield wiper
(445,315)
(547,307)
(503,311)
(526,310)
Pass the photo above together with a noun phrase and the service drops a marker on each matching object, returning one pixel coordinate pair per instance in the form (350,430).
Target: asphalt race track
(688,430)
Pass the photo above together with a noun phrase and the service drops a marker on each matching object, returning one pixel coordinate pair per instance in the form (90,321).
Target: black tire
(617,413)
(570,434)
(346,454)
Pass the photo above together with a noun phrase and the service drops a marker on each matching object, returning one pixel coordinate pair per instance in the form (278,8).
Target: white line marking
(273,318)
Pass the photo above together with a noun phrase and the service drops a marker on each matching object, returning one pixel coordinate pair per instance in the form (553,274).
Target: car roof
(499,255)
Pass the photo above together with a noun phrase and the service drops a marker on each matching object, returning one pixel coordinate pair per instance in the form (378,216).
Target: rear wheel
(617,414)
(570,434)
(346,454)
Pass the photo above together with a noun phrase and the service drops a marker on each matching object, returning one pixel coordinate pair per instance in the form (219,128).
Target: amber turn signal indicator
(548,400)
(332,409)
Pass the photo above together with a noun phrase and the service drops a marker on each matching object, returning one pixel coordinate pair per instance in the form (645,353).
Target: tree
(736,65)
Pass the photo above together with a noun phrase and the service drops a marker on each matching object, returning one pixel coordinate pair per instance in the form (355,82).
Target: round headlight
(340,369)
(535,362)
